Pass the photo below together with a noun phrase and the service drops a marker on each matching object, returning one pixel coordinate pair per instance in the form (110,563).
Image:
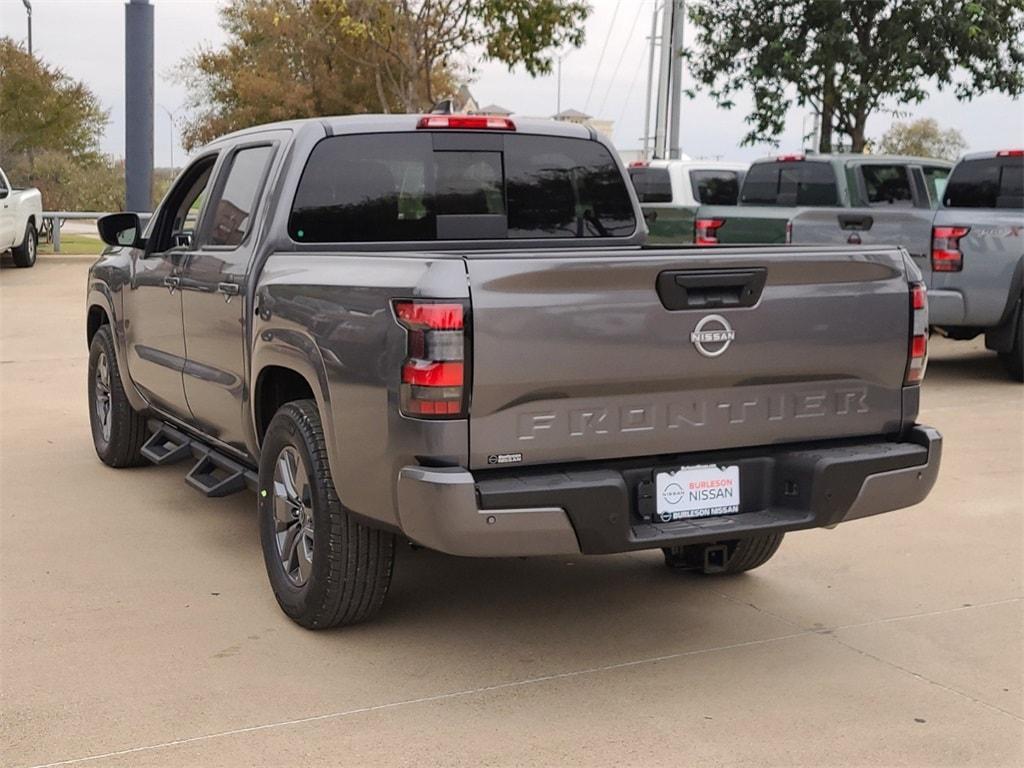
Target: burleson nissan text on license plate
(702,491)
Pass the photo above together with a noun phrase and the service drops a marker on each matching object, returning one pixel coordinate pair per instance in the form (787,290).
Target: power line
(629,39)
(600,59)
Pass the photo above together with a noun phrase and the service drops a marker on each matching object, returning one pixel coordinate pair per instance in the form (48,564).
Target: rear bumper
(607,508)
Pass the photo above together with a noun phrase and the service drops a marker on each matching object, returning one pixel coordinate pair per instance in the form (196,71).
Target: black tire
(120,445)
(1013,361)
(25,254)
(347,564)
(739,555)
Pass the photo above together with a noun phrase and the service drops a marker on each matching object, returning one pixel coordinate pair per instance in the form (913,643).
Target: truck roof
(689,163)
(340,124)
(844,157)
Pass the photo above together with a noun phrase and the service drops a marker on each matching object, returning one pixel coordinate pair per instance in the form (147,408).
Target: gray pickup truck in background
(446,328)
(855,199)
(975,271)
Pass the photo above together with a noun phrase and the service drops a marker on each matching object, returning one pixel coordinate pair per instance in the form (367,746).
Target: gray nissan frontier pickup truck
(447,328)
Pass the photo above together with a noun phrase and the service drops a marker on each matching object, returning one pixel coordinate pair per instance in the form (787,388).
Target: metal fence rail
(54,220)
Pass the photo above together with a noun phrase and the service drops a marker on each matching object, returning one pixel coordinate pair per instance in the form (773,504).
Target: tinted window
(652,185)
(397,186)
(887,185)
(996,182)
(790,183)
(715,187)
(232,213)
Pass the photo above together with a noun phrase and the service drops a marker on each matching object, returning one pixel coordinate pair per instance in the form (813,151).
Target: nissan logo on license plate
(712,336)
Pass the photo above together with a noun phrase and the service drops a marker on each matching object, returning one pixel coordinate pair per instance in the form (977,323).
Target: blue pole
(138,102)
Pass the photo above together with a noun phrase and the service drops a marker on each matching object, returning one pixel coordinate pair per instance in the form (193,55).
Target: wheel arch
(276,385)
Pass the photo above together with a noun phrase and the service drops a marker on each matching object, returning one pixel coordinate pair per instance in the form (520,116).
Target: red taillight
(434,371)
(639,164)
(1010,153)
(946,255)
(705,231)
(918,296)
(789,231)
(917,355)
(467,122)
(795,158)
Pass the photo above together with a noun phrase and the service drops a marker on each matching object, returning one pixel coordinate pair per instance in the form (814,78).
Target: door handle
(855,222)
(711,288)
(172,283)
(229,290)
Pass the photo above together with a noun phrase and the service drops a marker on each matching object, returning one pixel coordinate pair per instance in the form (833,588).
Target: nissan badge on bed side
(446,329)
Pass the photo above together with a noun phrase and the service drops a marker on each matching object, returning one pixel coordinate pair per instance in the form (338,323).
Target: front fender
(105,293)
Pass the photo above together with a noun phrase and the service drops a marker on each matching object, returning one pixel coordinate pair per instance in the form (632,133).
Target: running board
(213,474)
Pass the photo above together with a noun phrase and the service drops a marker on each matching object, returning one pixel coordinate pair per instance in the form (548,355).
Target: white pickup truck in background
(21,214)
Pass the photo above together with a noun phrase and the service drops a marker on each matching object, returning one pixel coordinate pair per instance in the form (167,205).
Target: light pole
(170,119)
(28,12)
(558,97)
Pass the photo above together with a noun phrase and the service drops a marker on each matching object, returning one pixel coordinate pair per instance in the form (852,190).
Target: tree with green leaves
(302,58)
(848,60)
(50,129)
(923,138)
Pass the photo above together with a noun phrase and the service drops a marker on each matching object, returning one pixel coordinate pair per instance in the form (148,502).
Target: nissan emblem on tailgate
(712,330)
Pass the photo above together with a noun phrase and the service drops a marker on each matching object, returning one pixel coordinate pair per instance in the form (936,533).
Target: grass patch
(75,245)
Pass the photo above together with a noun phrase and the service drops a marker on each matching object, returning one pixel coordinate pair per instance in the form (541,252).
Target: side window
(652,185)
(179,214)
(935,180)
(232,210)
(887,185)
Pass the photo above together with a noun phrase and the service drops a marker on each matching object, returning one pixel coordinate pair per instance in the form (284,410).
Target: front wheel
(724,557)
(25,254)
(118,430)
(326,568)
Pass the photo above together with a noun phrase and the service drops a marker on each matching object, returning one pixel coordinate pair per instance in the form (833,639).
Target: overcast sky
(86,39)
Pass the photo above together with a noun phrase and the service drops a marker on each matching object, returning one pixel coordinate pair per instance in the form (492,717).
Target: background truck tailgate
(576,357)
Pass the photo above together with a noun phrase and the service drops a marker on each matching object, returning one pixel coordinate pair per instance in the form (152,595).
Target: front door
(154,332)
(214,296)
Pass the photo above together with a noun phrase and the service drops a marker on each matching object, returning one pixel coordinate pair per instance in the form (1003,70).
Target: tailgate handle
(850,221)
(711,288)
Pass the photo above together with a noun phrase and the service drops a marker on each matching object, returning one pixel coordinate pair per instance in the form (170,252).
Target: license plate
(704,491)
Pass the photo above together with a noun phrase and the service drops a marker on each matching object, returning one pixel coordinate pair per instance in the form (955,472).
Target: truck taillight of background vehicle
(434,371)
(705,231)
(917,356)
(946,255)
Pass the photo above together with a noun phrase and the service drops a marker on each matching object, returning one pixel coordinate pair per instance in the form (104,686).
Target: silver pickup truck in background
(446,328)
(975,273)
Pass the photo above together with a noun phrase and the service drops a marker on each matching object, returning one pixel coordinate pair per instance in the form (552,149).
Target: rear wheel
(118,430)
(732,556)
(1013,360)
(25,254)
(326,568)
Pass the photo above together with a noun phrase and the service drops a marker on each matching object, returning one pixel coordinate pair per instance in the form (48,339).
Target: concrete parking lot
(138,628)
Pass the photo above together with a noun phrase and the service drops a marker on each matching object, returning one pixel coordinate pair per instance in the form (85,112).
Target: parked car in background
(21,215)
(975,271)
(672,191)
(447,328)
(855,199)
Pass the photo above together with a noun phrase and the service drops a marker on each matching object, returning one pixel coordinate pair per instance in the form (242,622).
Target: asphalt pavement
(137,627)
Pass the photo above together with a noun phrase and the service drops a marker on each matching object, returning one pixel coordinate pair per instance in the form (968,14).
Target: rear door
(579,356)
(215,304)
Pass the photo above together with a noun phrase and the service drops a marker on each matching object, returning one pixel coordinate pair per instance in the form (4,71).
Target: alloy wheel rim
(102,395)
(293,516)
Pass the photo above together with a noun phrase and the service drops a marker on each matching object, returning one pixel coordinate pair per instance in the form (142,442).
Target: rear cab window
(992,182)
(790,183)
(887,185)
(715,187)
(447,185)
(652,185)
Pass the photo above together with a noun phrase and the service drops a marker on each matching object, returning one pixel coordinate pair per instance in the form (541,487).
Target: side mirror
(121,229)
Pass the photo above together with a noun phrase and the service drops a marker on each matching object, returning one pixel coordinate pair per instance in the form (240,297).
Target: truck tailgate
(577,357)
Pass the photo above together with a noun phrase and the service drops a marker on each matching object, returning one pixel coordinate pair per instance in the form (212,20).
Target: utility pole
(138,102)
(676,81)
(28,12)
(652,46)
(661,112)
